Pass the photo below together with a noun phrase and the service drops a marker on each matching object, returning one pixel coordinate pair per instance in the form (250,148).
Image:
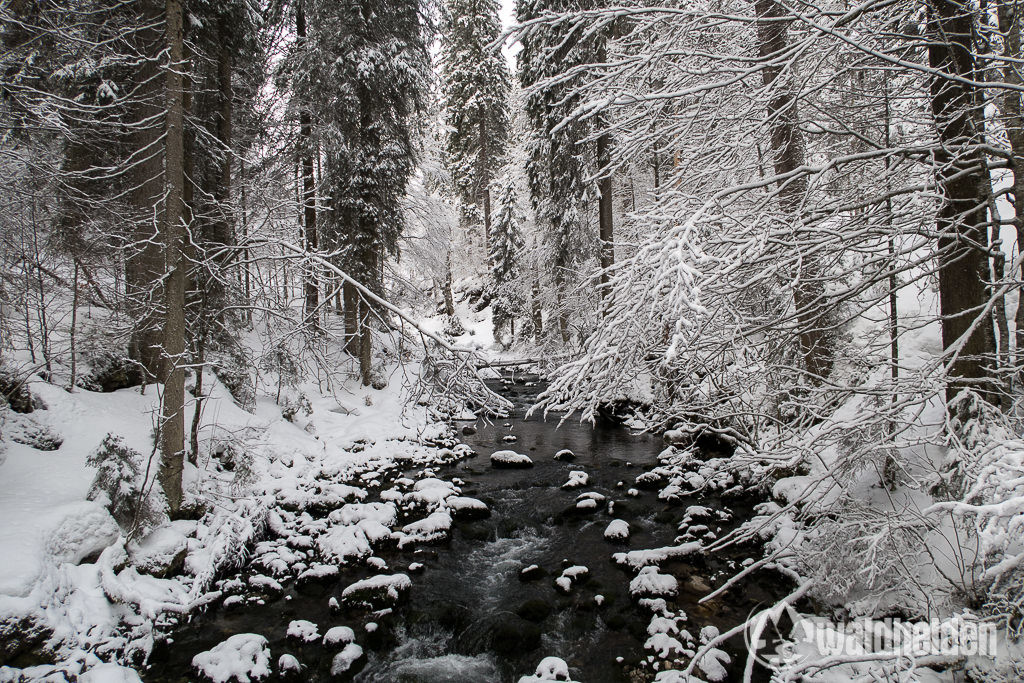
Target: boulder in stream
(376,592)
(510,460)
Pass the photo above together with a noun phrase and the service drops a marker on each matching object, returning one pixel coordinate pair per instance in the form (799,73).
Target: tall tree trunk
(449,297)
(351,297)
(144,257)
(604,187)
(788,148)
(308,181)
(538,316)
(172,447)
(962,259)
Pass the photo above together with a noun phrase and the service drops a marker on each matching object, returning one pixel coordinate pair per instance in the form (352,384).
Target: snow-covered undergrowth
(79,588)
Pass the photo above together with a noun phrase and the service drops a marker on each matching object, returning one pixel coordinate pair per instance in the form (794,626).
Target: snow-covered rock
(549,669)
(576,479)
(382,590)
(433,527)
(303,630)
(243,657)
(336,635)
(565,454)
(571,576)
(344,543)
(652,583)
(510,460)
(617,530)
(467,508)
(288,665)
(344,660)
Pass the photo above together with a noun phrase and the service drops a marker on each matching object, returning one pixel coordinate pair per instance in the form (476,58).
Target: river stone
(565,454)
(468,430)
(531,573)
(512,635)
(510,460)
(383,590)
(649,481)
(535,610)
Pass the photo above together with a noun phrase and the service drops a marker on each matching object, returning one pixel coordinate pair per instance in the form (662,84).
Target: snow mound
(352,513)
(433,527)
(467,508)
(336,635)
(617,530)
(571,576)
(343,543)
(576,479)
(510,459)
(344,660)
(549,669)
(651,582)
(377,590)
(243,657)
(303,630)
(110,673)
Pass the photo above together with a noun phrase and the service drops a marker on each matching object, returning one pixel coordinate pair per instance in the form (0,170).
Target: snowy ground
(64,582)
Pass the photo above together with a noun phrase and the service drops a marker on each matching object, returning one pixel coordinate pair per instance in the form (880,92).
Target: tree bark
(788,148)
(172,447)
(308,181)
(144,257)
(962,259)
(351,297)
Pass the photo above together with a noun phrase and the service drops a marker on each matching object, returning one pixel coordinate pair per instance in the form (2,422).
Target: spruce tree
(476,86)
(506,246)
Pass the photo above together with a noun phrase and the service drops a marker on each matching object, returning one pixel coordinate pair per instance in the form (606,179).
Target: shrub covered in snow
(120,482)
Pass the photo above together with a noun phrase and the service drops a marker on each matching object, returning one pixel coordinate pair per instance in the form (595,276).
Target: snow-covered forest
(453,340)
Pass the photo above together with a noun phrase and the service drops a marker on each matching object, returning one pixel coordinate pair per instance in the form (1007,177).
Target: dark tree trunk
(144,257)
(172,448)
(962,259)
(538,316)
(308,181)
(351,297)
(788,148)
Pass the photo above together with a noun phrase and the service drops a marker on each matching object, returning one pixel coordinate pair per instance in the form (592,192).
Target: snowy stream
(470,615)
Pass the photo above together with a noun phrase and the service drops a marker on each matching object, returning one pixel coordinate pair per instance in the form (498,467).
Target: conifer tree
(477,82)
(506,245)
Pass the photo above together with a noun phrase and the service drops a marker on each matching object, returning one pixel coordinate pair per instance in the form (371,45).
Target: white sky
(508,18)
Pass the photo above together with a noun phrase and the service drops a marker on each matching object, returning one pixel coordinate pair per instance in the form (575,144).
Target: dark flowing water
(468,616)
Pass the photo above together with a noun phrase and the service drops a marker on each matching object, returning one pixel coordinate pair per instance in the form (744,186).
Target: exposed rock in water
(510,460)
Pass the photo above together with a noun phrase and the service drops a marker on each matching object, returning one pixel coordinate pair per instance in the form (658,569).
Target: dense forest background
(789,229)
